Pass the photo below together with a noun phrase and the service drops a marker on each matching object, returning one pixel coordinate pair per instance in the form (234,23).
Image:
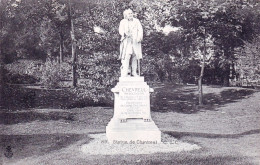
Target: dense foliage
(248,64)
(181,38)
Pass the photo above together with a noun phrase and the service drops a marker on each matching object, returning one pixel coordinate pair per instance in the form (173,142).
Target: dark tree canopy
(178,36)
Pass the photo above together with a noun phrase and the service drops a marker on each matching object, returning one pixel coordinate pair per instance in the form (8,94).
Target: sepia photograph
(129,82)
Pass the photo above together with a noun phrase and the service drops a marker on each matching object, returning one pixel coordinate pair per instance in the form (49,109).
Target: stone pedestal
(132,122)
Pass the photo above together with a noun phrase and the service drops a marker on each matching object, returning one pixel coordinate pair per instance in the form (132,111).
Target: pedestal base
(132,122)
(135,131)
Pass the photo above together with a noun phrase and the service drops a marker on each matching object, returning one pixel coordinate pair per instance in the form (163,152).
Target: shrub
(52,73)
(23,72)
(101,72)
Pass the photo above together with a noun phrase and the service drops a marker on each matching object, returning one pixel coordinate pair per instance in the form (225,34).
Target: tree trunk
(73,49)
(200,91)
(200,82)
(202,73)
(61,45)
(74,67)
(1,80)
(226,67)
(226,75)
(1,62)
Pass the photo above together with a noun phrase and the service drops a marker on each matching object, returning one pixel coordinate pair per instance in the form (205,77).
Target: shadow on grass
(198,160)
(184,99)
(29,116)
(19,97)
(22,146)
(208,135)
(166,98)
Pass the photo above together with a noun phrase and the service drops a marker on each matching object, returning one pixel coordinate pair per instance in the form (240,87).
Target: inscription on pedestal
(132,119)
(134,102)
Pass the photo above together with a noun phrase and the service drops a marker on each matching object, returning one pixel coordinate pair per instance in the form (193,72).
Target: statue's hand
(126,35)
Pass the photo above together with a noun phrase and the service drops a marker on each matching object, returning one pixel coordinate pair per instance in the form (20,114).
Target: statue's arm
(121,28)
(140,31)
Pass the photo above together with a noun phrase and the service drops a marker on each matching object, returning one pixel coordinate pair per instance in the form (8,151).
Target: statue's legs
(134,65)
(125,65)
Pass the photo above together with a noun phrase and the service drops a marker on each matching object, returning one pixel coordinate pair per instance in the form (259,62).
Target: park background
(59,62)
(73,46)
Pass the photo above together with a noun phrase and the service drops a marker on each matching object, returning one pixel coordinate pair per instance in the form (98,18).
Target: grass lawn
(227,128)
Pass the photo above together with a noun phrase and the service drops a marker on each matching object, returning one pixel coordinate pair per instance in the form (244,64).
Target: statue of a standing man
(131,32)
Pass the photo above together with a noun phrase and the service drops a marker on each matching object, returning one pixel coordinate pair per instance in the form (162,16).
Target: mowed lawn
(227,128)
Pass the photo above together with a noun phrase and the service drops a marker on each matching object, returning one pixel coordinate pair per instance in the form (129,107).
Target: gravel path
(100,146)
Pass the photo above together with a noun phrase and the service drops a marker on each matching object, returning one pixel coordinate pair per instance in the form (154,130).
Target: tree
(213,28)
(232,26)
(202,35)
(247,64)
(73,47)
(3,37)
(194,19)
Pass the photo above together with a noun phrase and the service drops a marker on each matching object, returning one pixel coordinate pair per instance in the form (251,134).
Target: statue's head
(128,14)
